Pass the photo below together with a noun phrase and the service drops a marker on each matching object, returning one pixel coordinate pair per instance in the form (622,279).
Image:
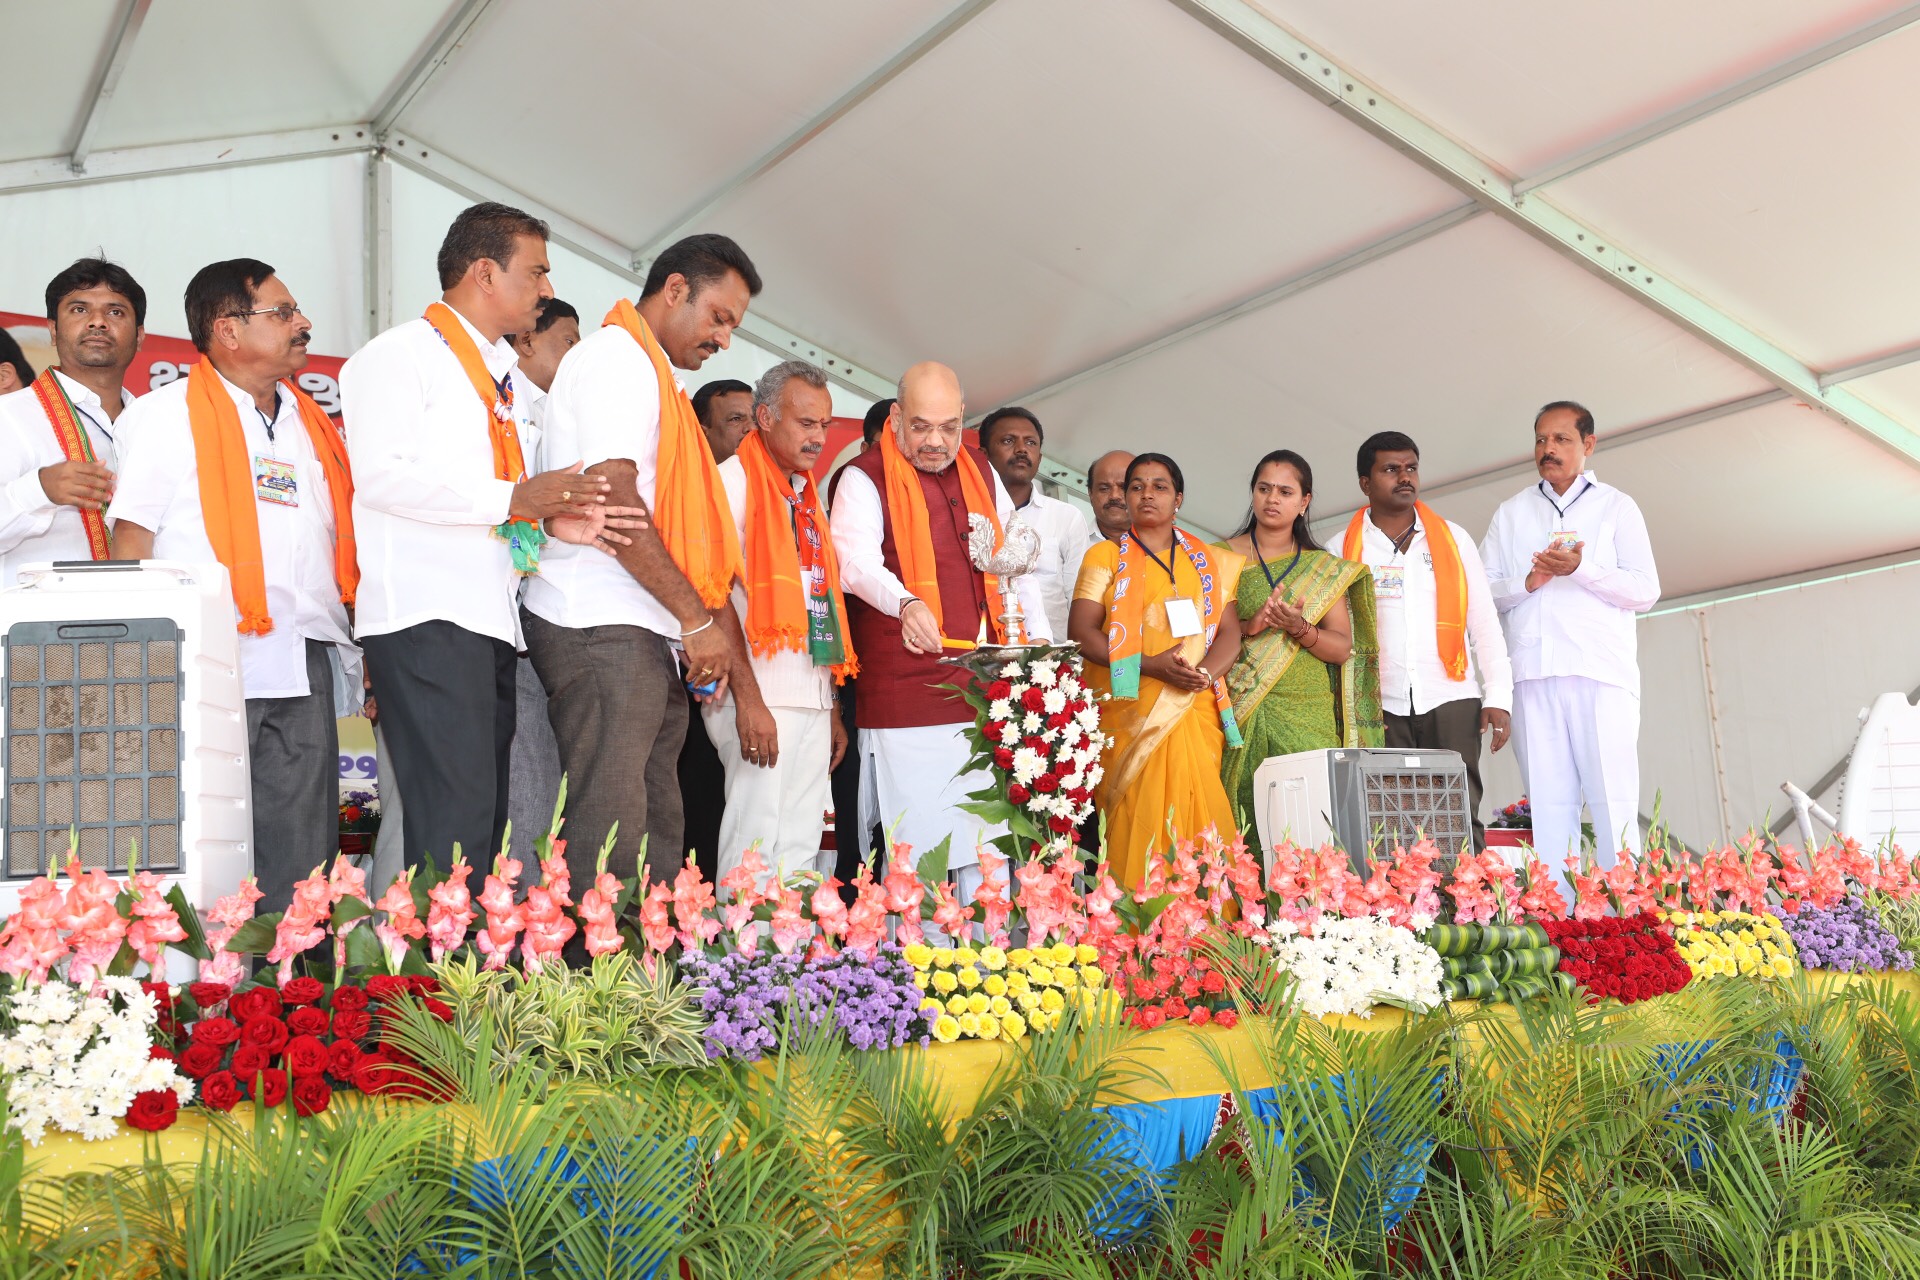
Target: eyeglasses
(286,311)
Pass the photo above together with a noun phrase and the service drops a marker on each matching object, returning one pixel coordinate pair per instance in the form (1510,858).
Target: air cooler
(126,728)
(1362,799)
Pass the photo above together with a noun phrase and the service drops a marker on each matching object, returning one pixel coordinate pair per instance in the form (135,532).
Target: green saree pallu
(1285,699)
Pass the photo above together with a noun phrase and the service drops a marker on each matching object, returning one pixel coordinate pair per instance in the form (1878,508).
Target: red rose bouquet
(1623,958)
(299,1041)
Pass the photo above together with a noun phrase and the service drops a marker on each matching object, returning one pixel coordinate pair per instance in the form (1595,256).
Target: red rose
(1036,743)
(202,1059)
(307,1021)
(423,984)
(1176,1008)
(1227,1018)
(1200,1016)
(301,990)
(306,1056)
(153,1109)
(1017,794)
(1034,700)
(1058,720)
(352,1024)
(439,1009)
(348,1000)
(249,1061)
(254,1002)
(342,1057)
(220,1091)
(271,1088)
(269,1034)
(160,992)
(159,1053)
(208,994)
(218,1032)
(1059,826)
(1002,758)
(1152,1016)
(999,689)
(1047,783)
(310,1096)
(386,988)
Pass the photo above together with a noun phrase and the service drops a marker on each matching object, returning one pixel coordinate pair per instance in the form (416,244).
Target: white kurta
(1576,713)
(32,528)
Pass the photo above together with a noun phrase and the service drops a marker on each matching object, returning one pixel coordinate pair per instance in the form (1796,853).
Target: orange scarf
(75,446)
(913,536)
(791,568)
(523,537)
(689,505)
(1449,582)
(227,493)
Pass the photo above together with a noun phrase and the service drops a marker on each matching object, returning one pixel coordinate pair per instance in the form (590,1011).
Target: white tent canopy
(1209,226)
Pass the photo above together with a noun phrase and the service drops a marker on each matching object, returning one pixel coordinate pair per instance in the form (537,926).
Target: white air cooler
(1362,798)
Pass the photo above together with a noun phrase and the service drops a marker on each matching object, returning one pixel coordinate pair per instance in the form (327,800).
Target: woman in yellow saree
(1154,617)
(1308,673)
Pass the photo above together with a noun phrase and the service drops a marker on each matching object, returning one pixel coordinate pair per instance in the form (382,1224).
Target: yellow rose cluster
(987,993)
(1725,944)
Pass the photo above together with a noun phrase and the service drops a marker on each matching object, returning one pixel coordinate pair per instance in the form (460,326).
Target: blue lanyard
(1559,510)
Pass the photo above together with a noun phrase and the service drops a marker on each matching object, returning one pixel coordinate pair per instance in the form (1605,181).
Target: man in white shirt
(776,729)
(606,634)
(1570,565)
(534,784)
(59,435)
(1444,675)
(913,734)
(232,465)
(448,515)
(1107,491)
(1013,438)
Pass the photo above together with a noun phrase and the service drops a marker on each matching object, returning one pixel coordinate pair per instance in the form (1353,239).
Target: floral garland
(1037,732)
(79,1060)
(1627,960)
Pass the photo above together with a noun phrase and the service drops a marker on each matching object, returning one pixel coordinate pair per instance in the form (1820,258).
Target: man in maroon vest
(900,518)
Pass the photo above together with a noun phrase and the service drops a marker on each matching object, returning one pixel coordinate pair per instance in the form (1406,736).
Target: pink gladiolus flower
(1073,919)
(656,925)
(505,917)
(1589,893)
(1542,899)
(829,910)
(449,911)
(30,941)
(905,893)
(403,923)
(555,875)
(692,899)
(742,885)
(790,926)
(991,899)
(155,923)
(867,918)
(596,912)
(227,915)
(548,928)
(91,917)
(949,916)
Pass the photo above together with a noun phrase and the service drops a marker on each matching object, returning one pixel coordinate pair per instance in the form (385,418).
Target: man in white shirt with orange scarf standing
(776,728)
(449,521)
(233,463)
(58,434)
(607,635)
(1444,675)
(1570,565)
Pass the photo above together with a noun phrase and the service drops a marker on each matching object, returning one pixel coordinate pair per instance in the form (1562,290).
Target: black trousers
(850,843)
(703,793)
(447,700)
(1451,726)
(294,749)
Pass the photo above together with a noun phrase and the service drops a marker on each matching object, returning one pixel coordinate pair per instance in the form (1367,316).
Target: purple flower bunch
(1848,936)
(871,998)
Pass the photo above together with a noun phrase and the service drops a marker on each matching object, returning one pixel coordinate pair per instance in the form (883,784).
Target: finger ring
(566,495)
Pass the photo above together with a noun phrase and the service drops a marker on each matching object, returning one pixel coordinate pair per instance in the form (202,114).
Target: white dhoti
(912,785)
(784,808)
(1579,739)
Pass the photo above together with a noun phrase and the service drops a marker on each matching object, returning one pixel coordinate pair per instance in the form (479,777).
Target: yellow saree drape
(1161,775)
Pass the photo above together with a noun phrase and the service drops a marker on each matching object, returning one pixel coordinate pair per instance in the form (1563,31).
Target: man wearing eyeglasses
(900,524)
(234,464)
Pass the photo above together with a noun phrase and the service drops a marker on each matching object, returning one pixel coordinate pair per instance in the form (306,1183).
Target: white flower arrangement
(76,1060)
(1349,965)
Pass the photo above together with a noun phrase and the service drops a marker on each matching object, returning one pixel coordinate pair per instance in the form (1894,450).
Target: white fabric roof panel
(55,52)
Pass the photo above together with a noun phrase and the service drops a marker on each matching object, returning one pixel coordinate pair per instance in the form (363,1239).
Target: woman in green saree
(1308,674)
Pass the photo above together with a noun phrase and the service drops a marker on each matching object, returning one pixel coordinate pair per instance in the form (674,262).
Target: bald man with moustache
(900,521)
(1107,491)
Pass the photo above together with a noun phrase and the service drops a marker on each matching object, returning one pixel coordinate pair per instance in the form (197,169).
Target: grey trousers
(619,713)
(1451,726)
(533,777)
(294,750)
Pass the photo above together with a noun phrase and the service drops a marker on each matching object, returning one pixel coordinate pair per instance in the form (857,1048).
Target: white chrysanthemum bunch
(76,1059)
(1350,965)
(1045,728)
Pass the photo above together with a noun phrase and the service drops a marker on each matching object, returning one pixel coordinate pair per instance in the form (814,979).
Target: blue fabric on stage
(1153,1137)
